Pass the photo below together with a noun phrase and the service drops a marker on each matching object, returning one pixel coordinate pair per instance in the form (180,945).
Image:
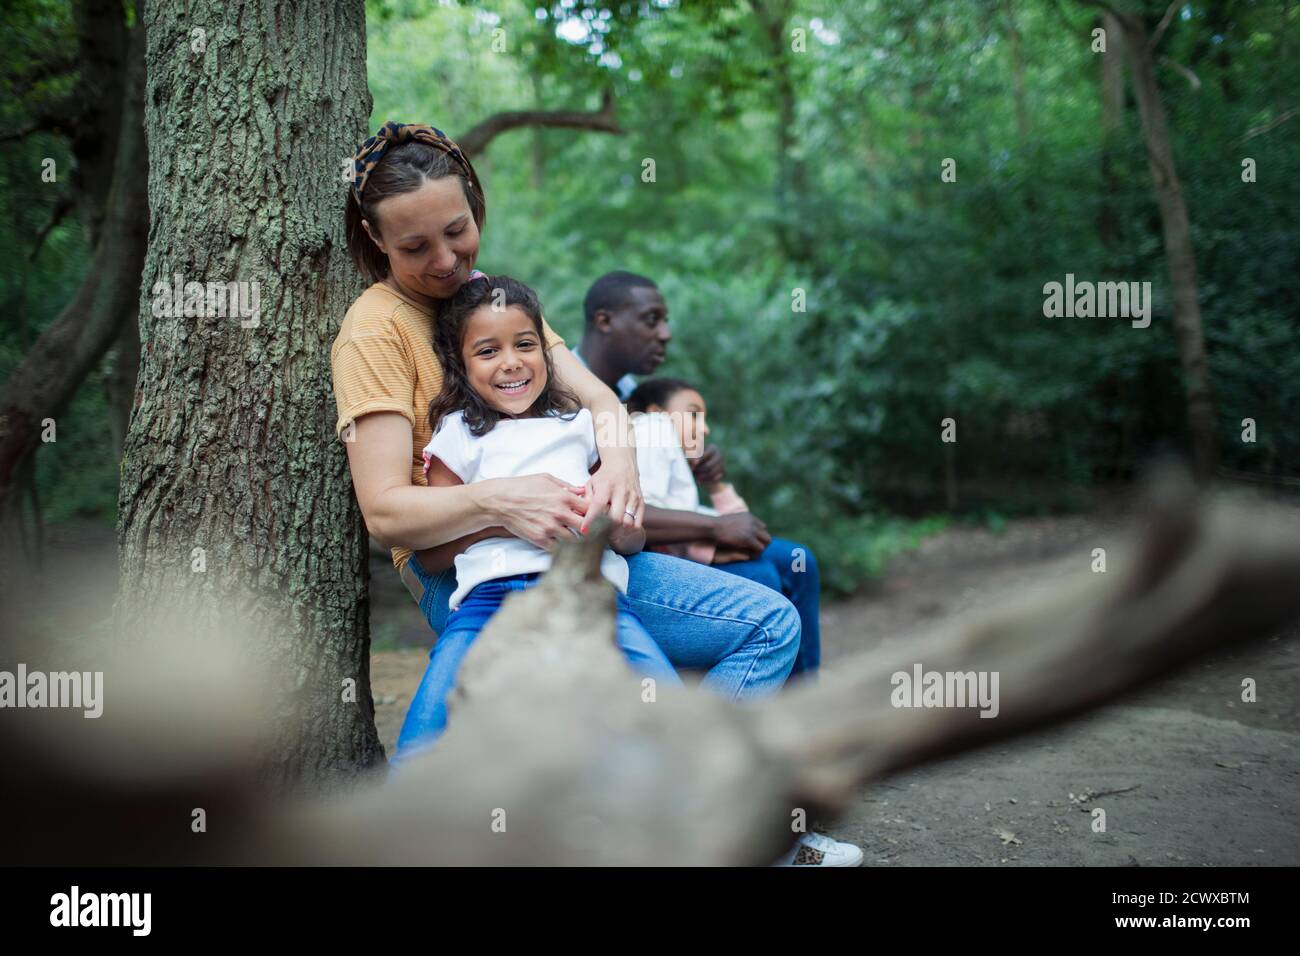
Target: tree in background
(100,117)
(234,496)
(1140,47)
(920,298)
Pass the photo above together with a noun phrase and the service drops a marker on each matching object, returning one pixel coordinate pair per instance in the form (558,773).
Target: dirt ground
(1187,773)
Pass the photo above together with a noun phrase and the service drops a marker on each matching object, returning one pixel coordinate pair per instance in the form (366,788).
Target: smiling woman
(414,219)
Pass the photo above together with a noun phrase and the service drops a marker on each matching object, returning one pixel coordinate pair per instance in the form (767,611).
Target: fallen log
(557,753)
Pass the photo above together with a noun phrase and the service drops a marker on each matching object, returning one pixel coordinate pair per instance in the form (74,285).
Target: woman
(413,222)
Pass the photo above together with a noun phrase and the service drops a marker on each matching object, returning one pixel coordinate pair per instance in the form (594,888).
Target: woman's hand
(540,509)
(627,541)
(615,489)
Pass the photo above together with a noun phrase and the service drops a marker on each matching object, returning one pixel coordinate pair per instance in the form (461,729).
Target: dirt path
(1198,777)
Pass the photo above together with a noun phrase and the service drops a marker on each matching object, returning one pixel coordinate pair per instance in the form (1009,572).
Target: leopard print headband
(394,134)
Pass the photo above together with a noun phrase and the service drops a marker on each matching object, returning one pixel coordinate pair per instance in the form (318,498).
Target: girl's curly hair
(450,321)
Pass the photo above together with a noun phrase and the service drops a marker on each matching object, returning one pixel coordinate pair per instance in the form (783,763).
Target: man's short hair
(610,292)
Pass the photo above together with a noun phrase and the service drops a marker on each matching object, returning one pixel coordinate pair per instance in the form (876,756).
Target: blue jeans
(791,569)
(744,635)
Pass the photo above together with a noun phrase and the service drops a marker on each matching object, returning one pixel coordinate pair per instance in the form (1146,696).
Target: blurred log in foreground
(556,753)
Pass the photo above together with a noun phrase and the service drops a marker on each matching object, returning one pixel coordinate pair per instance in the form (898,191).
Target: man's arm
(732,532)
(669,526)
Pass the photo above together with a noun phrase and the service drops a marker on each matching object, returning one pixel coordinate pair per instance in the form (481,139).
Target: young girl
(669,417)
(502,414)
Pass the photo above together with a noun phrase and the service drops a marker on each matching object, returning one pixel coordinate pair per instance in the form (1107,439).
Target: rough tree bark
(235,503)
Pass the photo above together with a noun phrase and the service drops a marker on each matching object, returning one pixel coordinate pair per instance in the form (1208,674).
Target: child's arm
(436,560)
(726,500)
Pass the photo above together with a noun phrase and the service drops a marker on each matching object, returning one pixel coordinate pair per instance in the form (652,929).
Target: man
(626,330)
(626,333)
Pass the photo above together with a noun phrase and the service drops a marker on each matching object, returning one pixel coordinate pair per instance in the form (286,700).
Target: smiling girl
(502,414)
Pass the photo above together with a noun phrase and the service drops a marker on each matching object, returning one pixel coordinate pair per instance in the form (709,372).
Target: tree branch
(1265,127)
(548,695)
(1192,79)
(61,209)
(1180,593)
(602,121)
(1163,25)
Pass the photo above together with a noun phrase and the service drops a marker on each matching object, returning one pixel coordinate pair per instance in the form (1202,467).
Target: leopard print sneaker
(815,849)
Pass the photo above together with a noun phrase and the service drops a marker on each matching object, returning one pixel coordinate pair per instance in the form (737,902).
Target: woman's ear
(365,224)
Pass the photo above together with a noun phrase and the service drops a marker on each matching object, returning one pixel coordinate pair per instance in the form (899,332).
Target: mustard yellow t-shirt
(383,361)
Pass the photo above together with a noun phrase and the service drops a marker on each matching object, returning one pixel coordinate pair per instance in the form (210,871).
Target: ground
(1187,773)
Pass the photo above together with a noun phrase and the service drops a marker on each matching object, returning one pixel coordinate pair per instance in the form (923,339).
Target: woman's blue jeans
(791,569)
(745,636)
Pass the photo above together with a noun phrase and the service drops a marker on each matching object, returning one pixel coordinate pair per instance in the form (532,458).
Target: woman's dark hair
(403,169)
(448,340)
(656,391)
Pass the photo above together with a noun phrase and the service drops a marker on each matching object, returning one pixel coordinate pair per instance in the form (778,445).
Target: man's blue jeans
(744,635)
(791,569)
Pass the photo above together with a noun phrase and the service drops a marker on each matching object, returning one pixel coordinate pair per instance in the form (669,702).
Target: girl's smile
(504,361)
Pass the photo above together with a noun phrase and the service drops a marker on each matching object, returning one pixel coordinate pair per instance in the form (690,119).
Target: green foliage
(76,475)
(923,297)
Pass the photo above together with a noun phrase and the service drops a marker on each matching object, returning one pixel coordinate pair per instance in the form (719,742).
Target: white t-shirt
(514,448)
(666,477)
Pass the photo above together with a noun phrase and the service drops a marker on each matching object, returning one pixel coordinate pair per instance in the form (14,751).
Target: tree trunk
(235,497)
(1112,121)
(1021,101)
(1202,419)
(121,369)
(1018,76)
(41,387)
(791,174)
(103,46)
